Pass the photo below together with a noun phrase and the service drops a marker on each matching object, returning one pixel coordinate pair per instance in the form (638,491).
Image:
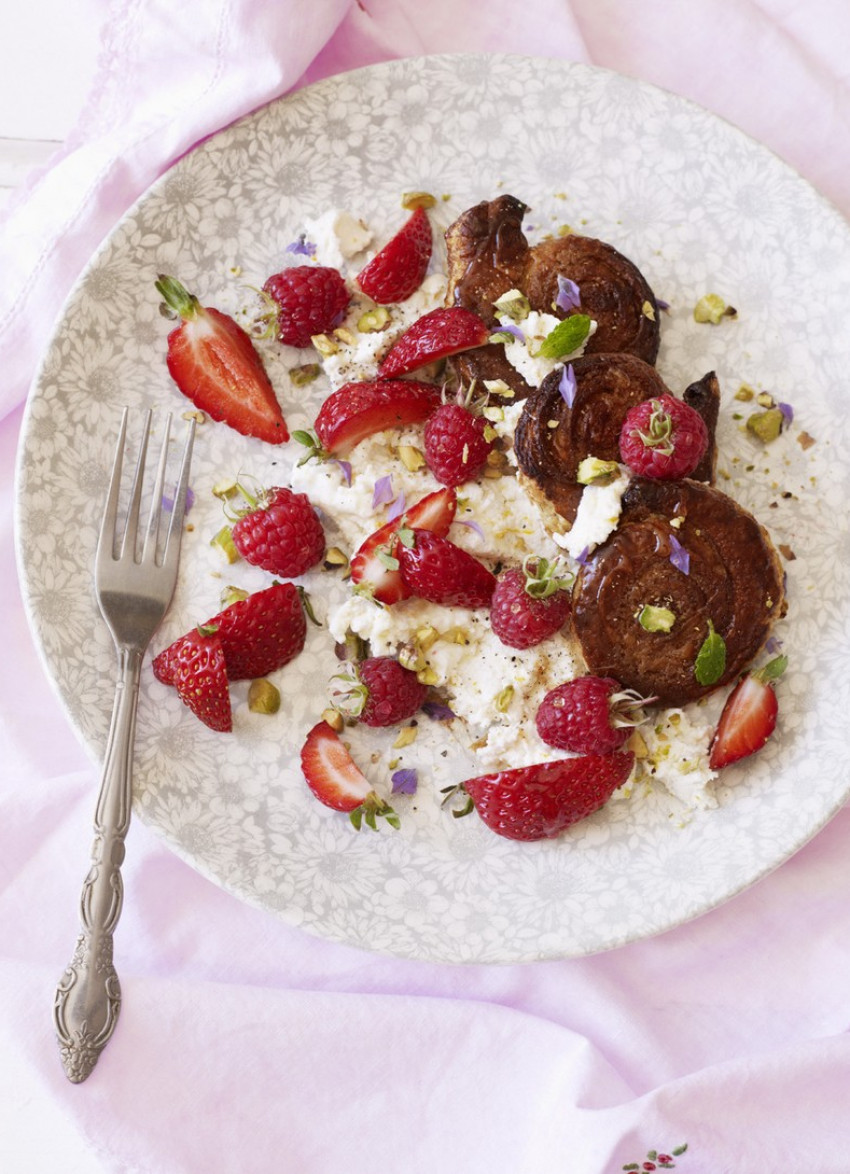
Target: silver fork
(134,591)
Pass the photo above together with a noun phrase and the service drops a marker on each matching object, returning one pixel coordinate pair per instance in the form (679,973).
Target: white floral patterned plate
(701,209)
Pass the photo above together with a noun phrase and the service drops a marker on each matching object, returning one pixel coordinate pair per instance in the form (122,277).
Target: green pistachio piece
(593,471)
(263,697)
(223,541)
(656,619)
(711,308)
(304,374)
(513,304)
(765,425)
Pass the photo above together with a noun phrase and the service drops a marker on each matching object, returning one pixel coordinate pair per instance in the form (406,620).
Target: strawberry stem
(177,298)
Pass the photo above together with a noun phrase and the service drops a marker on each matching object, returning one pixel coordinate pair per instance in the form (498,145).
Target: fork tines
(125,542)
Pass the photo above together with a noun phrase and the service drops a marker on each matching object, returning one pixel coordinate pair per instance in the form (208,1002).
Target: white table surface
(47,58)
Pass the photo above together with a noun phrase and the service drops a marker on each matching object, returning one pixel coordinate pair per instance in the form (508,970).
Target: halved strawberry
(539,802)
(749,716)
(357,410)
(335,779)
(398,269)
(375,565)
(258,635)
(433,568)
(445,331)
(215,364)
(200,677)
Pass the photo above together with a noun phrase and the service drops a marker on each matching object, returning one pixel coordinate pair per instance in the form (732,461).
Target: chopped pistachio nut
(335,559)
(710,308)
(637,745)
(304,374)
(410,657)
(593,471)
(648,311)
(373,320)
(744,393)
(805,440)
(765,425)
(513,304)
(230,595)
(334,719)
(456,636)
(223,541)
(499,387)
(504,699)
(413,200)
(656,619)
(411,457)
(263,697)
(198,417)
(426,636)
(345,335)
(226,489)
(324,344)
(427,676)
(495,414)
(765,400)
(406,736)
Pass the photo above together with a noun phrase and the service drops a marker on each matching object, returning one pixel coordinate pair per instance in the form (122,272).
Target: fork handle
(88,997)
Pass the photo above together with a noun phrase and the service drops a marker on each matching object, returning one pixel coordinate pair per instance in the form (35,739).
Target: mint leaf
(566,337)
(710,663)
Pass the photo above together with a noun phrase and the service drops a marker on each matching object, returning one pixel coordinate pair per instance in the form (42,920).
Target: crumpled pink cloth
(247,1045)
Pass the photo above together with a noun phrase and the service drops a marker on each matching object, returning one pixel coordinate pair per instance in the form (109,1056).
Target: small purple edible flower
(437,712)
(583,558)
(679,557)
(168,502)
(303,246)
(510,328)
(404,782)
(345,468)
(787,412)
(397,508)
(383,491)
(773,645)
(569,295)
(568,386)
(471,525)
(661,304)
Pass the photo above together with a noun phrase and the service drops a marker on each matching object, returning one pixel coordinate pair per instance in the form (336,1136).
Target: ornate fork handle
(88,997)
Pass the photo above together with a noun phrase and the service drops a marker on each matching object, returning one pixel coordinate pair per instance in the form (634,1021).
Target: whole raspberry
(382,693)
(580,716)
(282,534)
(529,605)
(456,445)
(663,438)
(310,299)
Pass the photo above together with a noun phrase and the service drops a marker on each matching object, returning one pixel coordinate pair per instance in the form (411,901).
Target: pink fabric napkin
(245,1044)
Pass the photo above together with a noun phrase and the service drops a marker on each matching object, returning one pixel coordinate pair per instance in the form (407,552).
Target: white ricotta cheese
(598,514)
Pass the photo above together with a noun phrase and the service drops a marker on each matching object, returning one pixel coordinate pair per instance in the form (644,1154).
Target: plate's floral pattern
(701,209)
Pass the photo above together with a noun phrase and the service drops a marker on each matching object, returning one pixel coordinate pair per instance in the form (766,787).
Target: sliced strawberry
(375,565)
(443,332)
(258,635)
(215,364)
(357,410)
(335,779)
(749,716)
(200,677)
(399,268)
(433,568)
(539,802)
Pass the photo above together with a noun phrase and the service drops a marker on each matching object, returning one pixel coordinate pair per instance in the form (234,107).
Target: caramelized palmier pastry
(553,436)
(682,596)
(488,255)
